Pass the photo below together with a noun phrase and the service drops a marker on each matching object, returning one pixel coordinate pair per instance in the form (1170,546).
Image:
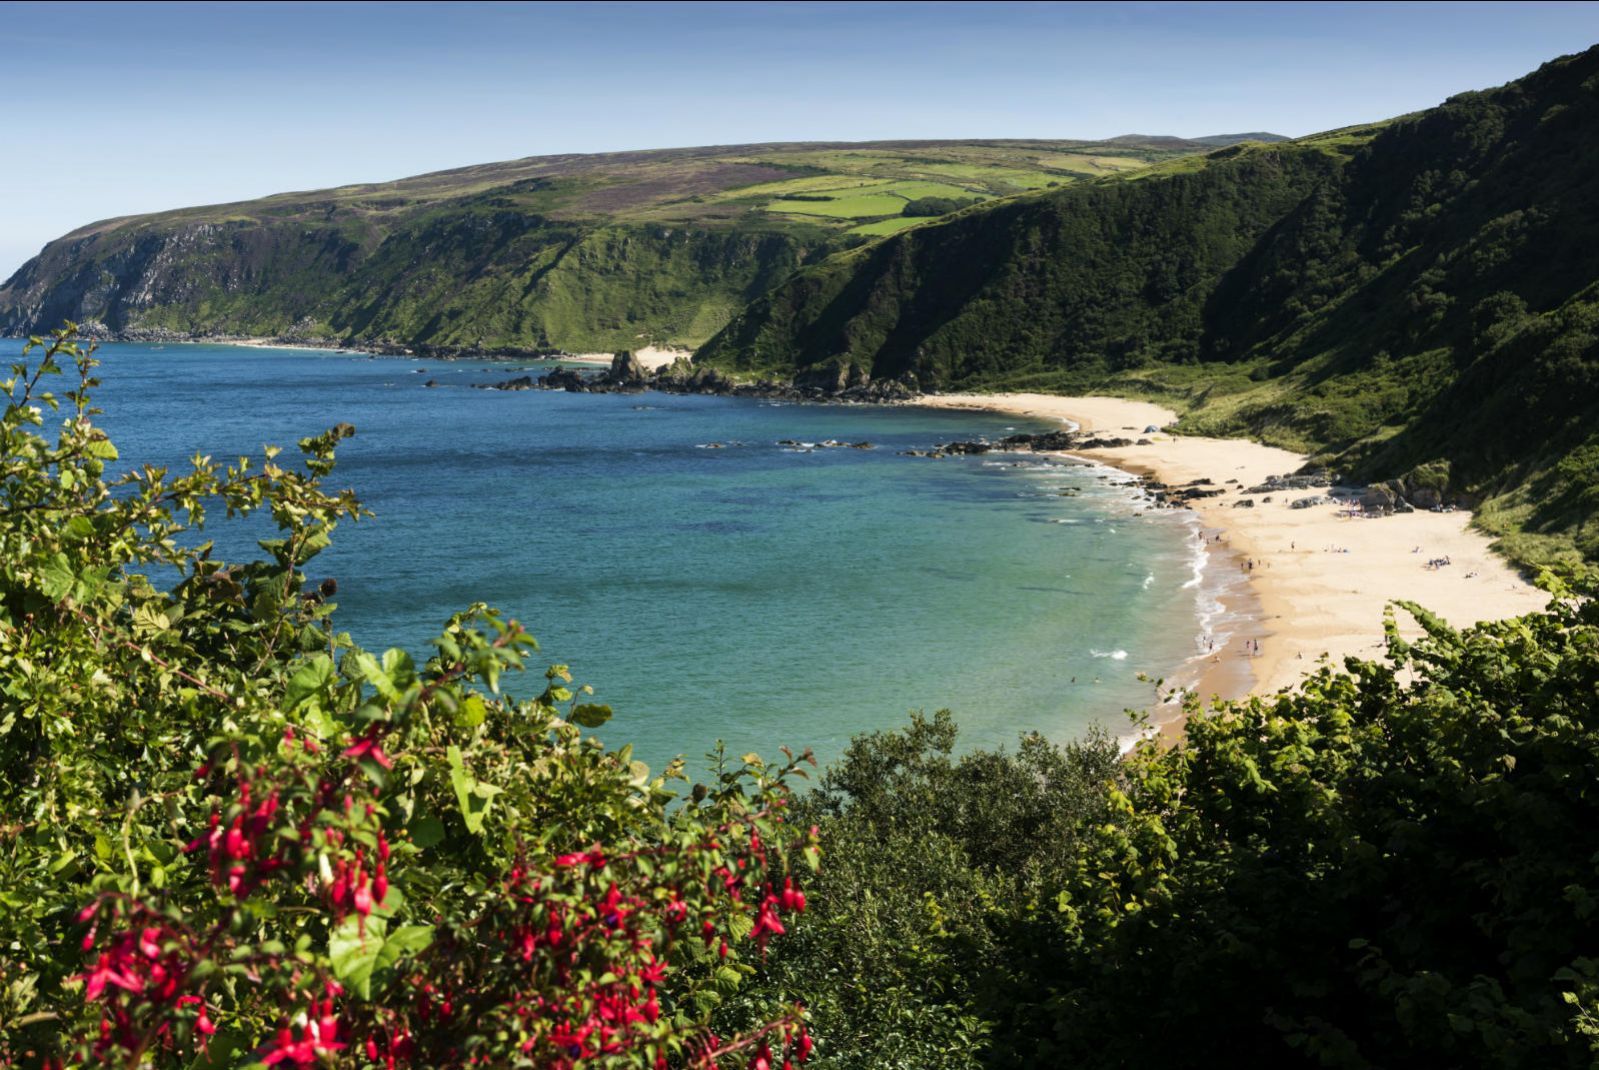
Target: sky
(123,108)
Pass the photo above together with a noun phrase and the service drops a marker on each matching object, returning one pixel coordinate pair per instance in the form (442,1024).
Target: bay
(753,593)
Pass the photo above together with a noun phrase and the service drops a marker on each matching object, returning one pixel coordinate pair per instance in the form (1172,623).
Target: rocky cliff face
(466,277)
(199,277)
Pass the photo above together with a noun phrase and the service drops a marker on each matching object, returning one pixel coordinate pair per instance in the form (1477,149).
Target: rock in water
(627,368)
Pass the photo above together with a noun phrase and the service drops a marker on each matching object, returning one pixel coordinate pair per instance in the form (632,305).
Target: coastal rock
(823,378)
(1299,481)
(524,382)
(1378,500)
(563,379)
(708,380)
(1427,498)
(627,368)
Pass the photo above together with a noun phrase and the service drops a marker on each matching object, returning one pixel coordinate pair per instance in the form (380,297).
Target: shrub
(230,837)
(931,206)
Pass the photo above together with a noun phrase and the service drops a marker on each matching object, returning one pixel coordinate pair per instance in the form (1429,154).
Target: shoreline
(1318,579)
(652,357)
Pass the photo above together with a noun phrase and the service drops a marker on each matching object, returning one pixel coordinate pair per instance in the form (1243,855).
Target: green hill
(570,252)
(1418,298)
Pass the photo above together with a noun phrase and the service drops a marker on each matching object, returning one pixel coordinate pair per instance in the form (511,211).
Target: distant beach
(652,357)
(1318,580)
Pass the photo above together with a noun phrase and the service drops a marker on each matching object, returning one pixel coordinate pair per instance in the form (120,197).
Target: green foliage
(937,868)
(582,253)
(1418,293)
(930,206)
(1390,866)
(228,829)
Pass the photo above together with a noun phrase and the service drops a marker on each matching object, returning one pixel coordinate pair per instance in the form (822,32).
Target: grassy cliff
(570,252)
(1418,297)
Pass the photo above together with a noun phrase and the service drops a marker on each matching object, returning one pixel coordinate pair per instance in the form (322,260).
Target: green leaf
(591,714)
(56,577)
(466,793)
(406,940)
(354,955)
(314,678)
(77,529)
(368,670)
(399,668)
(426,831)
(472,712)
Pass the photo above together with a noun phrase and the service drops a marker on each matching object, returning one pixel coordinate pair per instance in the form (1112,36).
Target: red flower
(110,968)
(318,1036)
(368,747)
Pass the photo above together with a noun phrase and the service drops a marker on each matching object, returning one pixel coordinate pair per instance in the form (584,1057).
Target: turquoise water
(752,593)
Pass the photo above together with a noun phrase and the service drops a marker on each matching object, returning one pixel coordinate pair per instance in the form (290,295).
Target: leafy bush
(930,206)
(230,837)
(918,951)
(1390,866)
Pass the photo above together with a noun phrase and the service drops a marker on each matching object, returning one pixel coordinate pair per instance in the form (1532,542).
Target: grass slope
(1412,298)
(576,252)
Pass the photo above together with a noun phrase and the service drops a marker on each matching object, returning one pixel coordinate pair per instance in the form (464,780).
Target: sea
(712,570)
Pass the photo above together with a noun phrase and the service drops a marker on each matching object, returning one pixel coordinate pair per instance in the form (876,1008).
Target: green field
(1091,164)
(867,202)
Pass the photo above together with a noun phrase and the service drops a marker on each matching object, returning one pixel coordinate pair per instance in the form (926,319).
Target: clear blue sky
(125,108)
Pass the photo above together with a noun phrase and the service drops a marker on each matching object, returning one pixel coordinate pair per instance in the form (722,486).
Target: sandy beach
(1319,580)
(652,357)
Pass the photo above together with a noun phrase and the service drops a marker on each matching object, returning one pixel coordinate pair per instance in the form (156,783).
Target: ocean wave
(1114,655)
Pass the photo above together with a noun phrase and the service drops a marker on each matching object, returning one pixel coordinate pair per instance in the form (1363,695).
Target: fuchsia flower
(368,747)
(320,1034)
(110,968)
(767,924)
(202,1022)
